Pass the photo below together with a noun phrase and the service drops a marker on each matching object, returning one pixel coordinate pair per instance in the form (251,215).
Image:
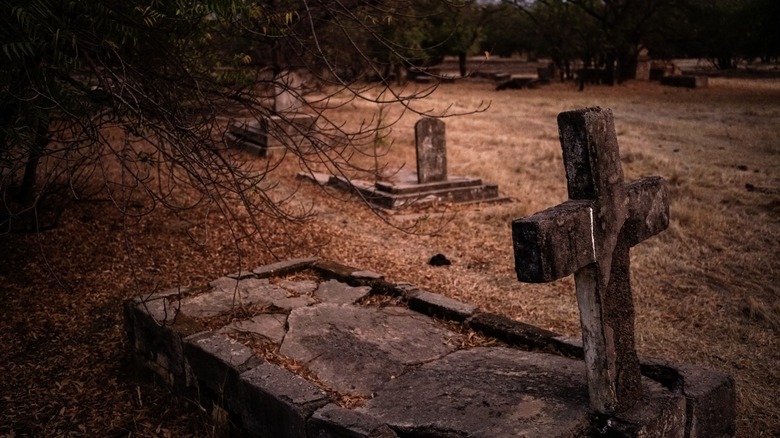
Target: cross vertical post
(590,236)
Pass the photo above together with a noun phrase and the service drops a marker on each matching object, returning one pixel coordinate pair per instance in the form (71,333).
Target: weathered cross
(590,236)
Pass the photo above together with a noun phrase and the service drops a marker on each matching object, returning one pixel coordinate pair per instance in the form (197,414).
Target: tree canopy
(613,32)
(88,83)
(130,92)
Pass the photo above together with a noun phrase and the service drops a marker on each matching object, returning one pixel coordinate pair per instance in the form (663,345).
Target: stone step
(468,192)
(403,188)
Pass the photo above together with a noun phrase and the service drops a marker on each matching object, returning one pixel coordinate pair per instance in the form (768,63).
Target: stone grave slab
(268,325)
(356,350)
(429,183)
(420,379)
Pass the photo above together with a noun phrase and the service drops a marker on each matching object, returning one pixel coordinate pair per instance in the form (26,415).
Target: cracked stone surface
(334,291)
(357,349)
(299,287)
(229,292)
(269,325)
(486,392)
(416,379)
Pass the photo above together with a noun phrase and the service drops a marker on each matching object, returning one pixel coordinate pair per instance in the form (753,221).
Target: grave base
(402,190)
(271,133)
(393,370)
(685,81)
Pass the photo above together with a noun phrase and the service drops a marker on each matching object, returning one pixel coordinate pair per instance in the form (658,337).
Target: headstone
(546,74)
(590,236)
(429,184)
(431,150)
(287,88)
(643,65)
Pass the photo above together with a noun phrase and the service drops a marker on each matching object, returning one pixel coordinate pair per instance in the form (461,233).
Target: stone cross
(590,235)
(431,150)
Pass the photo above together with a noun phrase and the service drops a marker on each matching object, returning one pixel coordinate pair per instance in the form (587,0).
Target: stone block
(228,294)
(268,325)
(405,290)
(685,81)
(333,421)
(356,350)
(301,287)
(275,403)
(284,267)
(216,361)
(366,275)
(336,292)
(712,401)
(240,275)
(486,392)
(156,330)
(658,413)
(440,306)
(520,334)
(330,269)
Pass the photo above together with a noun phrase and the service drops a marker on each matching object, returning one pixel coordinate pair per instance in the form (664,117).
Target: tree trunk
(27,189)
(626,68)
(7,116)
(609,69)
(462,64)
(724,62)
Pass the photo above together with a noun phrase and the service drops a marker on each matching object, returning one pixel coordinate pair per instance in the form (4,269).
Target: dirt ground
(706,289)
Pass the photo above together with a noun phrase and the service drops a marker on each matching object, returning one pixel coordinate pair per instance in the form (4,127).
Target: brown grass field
(706,290)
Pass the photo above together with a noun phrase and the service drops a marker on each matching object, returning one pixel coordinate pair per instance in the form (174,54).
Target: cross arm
(648,209)
(554,243)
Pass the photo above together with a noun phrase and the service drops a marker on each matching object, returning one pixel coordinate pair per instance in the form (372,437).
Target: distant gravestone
(643,65)
(590,236)
(287,88)
(546,74)
(431,150)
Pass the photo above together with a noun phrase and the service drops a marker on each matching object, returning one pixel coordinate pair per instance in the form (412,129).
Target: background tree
(726,31)
(121,99)
(455,28)
(610,33)
(563,32)
(508,31)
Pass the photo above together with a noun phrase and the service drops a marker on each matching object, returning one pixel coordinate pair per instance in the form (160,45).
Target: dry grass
(706,289)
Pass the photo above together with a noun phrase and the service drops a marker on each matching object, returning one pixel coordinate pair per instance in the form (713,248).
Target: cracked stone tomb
(429,183)
(313,348)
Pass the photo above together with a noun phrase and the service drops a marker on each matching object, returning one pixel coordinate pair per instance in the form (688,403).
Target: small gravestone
(431,150)
(287,86)
(546,74)
(644,64)
(286,127)
(429,184)
(590,236)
